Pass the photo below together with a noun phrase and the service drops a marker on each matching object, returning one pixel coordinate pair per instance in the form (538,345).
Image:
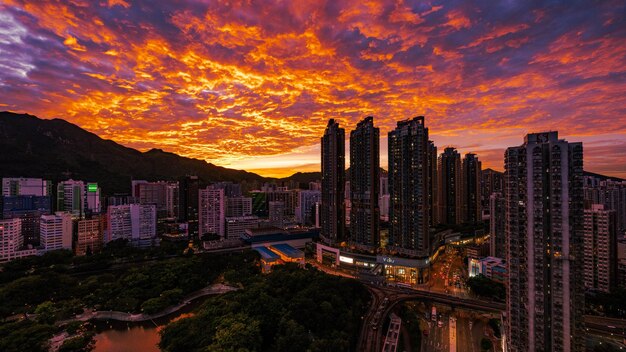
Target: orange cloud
(248,85)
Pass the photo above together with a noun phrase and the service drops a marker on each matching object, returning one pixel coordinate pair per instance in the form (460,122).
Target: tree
(46,313)
(237,333)
(485,344)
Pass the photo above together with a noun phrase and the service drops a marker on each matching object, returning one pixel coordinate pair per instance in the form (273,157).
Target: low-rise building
(12,241)
(89,238)
(56,231)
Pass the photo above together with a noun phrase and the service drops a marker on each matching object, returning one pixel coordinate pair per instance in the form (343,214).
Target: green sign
(92,187)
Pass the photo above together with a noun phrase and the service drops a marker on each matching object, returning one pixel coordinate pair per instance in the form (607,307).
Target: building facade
(471,189)
(188,203)
(408,186)
(600,248)
(237,206)
(29,209)
(212,211)
(450,187)
(89,236)
(497,237)
(544,230)
(133,222)
(78,198)
(333,183)
(20,186)
(12,241)
(365,183)
(307,201)
(56,231)
(237,226)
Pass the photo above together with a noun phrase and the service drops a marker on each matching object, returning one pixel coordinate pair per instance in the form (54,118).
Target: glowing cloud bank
(251,84)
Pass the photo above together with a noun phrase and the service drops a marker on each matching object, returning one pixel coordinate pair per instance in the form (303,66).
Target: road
(124,316)
(371,338)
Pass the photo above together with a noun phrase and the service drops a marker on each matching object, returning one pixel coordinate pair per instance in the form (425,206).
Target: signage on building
(346,259)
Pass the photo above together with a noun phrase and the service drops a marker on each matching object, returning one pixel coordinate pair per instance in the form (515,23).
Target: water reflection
(114,336)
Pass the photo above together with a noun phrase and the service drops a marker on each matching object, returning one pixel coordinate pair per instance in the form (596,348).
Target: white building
(212,212)
(133,222)
(237,226)
(19,186)
(11,240)
(55,231)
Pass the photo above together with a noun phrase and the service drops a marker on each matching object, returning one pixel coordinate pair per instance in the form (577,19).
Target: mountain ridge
(56,149)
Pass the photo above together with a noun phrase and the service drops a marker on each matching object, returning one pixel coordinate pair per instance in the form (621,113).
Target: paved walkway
(123,316)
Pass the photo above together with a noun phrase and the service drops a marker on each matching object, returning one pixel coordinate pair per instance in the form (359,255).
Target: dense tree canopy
(290,309)
(486,288)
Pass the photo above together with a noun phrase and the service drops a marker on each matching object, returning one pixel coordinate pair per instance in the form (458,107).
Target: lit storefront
(405,271)
(394,269)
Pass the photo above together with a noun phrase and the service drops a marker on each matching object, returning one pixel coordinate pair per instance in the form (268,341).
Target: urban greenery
(486,288)
(290,309)
(411,319)
(608,304)
(57,286)
(494,324)
(486,344)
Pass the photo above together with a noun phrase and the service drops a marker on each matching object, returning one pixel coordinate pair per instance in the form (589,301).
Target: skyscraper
(471,189)
(365,183)
(491,181)
(450,190)
(188,203)
(333,182)
(497,239)
(277,214)
(307,201)
(133,222)
(600,248)
(433,196)
(212,211)
(544,230)
(408,185)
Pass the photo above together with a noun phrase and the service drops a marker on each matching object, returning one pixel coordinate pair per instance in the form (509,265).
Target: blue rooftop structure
(280,236)
(288,251)
(266,254)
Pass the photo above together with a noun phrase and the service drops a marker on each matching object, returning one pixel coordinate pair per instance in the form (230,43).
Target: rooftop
(267,254)
(287,250)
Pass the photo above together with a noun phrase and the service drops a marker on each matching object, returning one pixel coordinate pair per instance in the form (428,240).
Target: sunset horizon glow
(251,84)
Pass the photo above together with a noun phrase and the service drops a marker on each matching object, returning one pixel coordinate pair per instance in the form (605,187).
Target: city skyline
(222,83)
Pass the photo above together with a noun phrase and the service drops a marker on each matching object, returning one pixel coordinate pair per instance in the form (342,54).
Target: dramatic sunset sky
(251,84)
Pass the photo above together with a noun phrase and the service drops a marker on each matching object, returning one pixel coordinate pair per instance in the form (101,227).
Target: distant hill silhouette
(58,150)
